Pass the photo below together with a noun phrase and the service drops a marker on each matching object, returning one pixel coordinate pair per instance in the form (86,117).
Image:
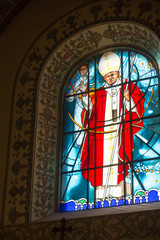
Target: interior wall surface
(15,41)
(26,43)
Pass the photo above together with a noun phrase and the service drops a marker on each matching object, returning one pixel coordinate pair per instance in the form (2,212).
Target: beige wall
(15,41)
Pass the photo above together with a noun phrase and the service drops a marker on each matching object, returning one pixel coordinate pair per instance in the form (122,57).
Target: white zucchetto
(109,62)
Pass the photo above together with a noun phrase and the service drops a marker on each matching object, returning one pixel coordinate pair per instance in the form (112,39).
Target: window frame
(68,77)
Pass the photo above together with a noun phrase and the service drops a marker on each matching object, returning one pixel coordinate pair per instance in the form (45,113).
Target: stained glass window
(111,133)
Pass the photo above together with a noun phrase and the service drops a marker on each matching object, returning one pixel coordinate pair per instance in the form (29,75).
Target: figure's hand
(77,88)
(126,94)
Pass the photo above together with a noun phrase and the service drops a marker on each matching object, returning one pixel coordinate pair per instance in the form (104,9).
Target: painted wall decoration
(39,81)
(110,153)
(135,225)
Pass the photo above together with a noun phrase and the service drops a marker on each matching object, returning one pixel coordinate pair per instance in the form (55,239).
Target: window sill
(102,211)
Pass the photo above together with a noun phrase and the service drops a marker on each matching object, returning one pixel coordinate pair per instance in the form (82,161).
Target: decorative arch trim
(51,82)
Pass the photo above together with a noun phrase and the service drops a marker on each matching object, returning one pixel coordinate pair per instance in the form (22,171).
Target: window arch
(60,64)
(110,153)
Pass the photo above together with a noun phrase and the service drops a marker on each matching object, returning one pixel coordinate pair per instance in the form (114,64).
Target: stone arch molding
(51,81)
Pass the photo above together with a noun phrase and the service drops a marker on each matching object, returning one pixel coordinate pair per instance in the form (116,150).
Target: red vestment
(92,150)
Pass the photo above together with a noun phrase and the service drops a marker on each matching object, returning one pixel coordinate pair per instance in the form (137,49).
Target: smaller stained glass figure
(80,86)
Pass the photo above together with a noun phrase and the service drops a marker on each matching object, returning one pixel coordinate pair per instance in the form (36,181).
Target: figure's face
(111,77)
(83,70)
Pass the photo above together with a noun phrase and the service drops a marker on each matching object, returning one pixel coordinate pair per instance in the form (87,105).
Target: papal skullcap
(109,62)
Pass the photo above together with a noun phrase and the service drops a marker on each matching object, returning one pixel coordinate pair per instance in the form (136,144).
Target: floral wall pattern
(115,227)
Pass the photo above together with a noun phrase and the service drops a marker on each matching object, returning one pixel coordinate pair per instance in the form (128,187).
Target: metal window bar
(123,124)
(95,135)
(88,140)
(137,161)
(131,160)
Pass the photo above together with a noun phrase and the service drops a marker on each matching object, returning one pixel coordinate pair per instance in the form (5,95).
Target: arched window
(110,140)
(68,141)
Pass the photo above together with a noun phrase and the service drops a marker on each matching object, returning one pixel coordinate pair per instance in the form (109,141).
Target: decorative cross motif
(63,229)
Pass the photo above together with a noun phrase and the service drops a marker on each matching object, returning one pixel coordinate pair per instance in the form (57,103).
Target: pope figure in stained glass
(80,86)
(113,117)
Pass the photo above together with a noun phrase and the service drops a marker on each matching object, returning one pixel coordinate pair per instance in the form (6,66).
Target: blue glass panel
(142,67)
(67,122)
(153,196)
(79,207)
(137,200)
(156,146)
(154,82)
(146,134)
(153,124)
(151,96)
(151,105)
(148,173)
(147,141)
(143,199)
(113,202)
(70,206)
(153,140)
(106,203)
(74,187)
(84,206)
(121,202)
(99,204)
(142,150)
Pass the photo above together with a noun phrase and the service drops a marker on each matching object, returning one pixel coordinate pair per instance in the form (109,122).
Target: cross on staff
(63,229)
